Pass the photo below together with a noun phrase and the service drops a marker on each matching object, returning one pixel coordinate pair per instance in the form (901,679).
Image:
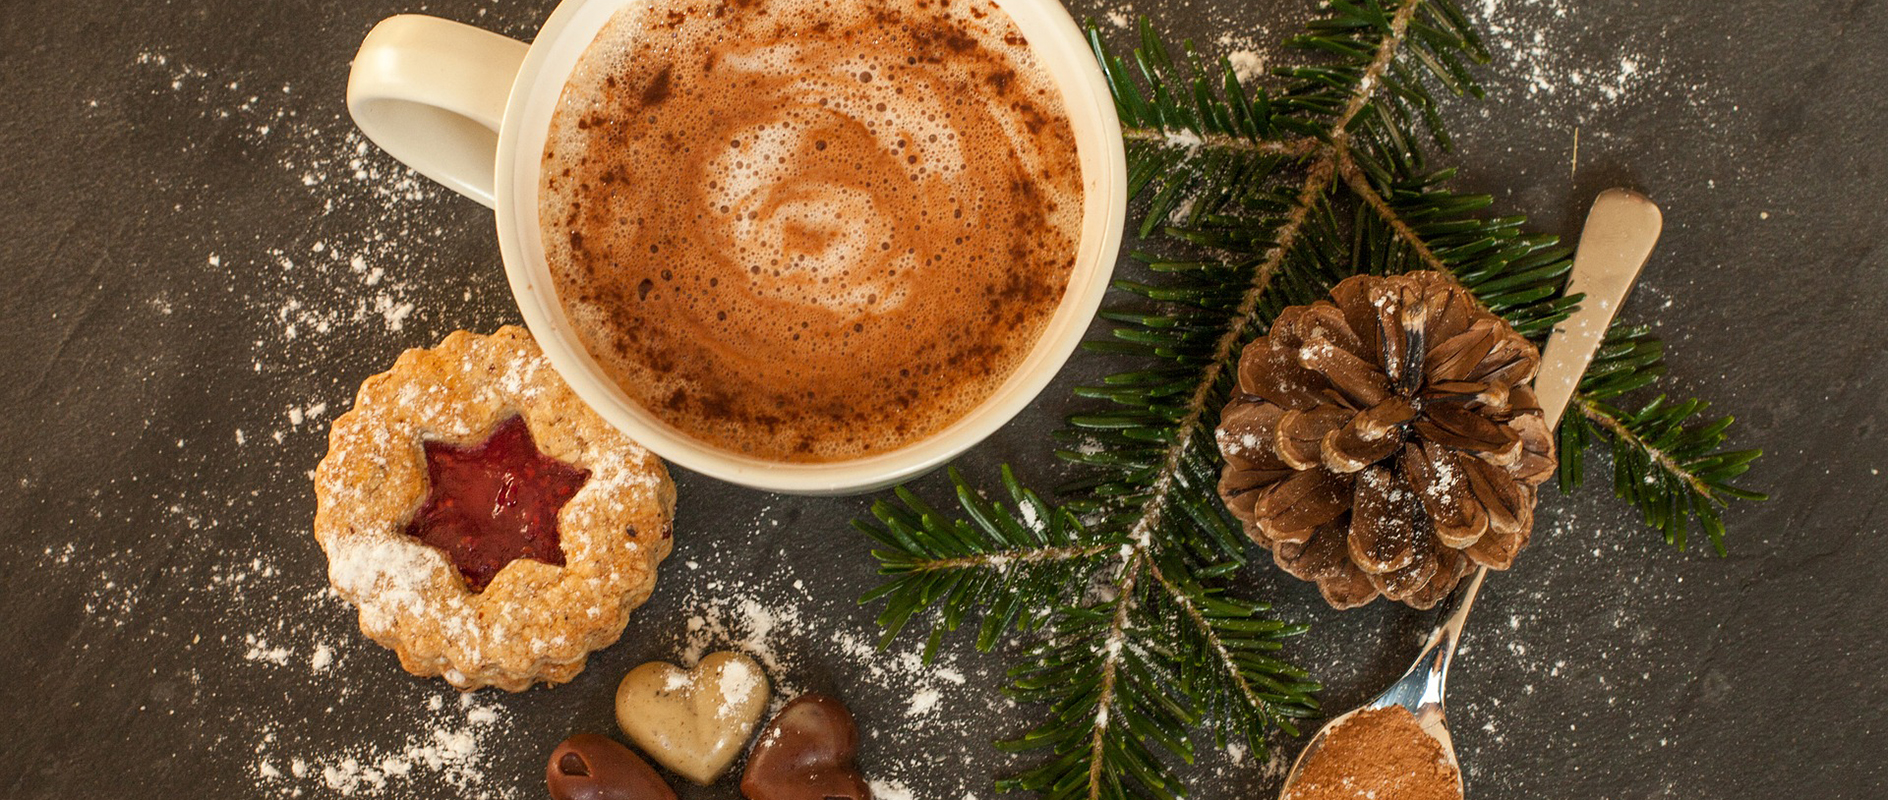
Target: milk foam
(810,229)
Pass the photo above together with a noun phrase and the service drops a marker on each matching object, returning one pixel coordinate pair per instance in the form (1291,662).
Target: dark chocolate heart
(592,767)
(806,754)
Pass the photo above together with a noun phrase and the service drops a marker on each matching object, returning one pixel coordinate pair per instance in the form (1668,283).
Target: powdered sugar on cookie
(515,632)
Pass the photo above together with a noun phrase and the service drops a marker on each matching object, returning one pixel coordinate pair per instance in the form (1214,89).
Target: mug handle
(432,93)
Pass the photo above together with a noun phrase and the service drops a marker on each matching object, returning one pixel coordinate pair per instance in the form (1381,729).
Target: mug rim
(1099,145)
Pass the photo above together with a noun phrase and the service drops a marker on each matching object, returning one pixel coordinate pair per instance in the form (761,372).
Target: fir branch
(1222,141)
(997,564)
(1668,459)
(1360,185)
(1112,648)
(1005,558)
(1668,463)
(1367,83)
(1285,236)
(1269,691)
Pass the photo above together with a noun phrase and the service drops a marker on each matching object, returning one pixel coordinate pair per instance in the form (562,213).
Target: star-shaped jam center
(494,502)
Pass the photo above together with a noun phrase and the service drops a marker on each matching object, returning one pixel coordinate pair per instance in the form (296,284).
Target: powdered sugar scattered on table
(1530,41)
(306,288)
(259,650)
(890,790)
(448,744)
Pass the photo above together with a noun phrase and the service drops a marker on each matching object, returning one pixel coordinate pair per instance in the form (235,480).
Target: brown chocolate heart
(806,754)
(592,767)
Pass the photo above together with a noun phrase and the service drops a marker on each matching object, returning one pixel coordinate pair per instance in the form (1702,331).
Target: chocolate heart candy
(806,754)
(592,767)
(693,722)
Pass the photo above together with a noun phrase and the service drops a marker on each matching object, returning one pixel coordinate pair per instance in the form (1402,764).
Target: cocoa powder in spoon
(1378,754)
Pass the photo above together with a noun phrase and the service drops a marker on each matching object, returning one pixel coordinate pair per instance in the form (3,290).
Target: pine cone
(1386,440)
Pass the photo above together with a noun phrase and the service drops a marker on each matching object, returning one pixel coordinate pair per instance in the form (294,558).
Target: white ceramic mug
(472,109)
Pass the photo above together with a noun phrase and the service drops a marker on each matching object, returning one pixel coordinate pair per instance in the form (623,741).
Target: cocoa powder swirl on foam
(811,230)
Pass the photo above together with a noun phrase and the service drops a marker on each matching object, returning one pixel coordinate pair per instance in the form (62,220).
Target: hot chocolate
(810,230)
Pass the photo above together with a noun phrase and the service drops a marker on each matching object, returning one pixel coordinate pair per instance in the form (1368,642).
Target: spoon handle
(1432,664)
(1620,231)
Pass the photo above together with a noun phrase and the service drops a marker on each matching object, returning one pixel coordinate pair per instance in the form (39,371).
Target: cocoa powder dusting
(1378,754)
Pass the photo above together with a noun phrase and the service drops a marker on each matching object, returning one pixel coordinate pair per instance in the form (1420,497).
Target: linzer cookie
(490,527)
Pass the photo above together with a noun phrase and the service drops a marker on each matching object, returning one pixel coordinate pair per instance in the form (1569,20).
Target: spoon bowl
(1419,690)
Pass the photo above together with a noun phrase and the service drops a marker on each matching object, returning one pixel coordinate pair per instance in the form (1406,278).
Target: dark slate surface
(184,199)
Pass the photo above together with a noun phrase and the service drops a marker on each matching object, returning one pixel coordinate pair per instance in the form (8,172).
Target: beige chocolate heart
(693,722)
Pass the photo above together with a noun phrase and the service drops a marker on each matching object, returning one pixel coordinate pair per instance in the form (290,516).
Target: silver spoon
(1620,231)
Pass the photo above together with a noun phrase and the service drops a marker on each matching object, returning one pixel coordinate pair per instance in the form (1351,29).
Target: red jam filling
(494,502)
